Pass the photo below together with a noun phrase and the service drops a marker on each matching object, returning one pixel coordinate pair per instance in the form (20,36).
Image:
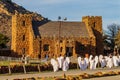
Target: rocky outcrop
(5,25)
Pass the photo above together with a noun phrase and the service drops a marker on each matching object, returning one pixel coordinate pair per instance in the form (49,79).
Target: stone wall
(95,23)
(22,36)
(74,43)
(36,48)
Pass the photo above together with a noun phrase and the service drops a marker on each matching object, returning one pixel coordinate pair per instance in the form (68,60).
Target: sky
(75,9)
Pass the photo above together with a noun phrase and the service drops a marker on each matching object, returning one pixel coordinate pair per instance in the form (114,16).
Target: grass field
(4,63)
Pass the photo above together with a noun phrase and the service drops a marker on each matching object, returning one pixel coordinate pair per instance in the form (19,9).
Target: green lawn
(4,63)
(7,63)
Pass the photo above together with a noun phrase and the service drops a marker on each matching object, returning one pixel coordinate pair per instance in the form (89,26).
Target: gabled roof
(66,29)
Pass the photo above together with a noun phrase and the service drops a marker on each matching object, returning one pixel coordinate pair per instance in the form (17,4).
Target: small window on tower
(23,23)
(23,37)
(46,47)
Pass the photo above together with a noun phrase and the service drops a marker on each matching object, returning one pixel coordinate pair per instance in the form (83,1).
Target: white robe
(60,61)
(54,63)
(90,57)
(118,60)
(65,65)
(115,62)
(92,64)
(83,64)
(103,63)
(79,60)
(68,60)
(87,62)
(109,62)
(96,62)
(100,58)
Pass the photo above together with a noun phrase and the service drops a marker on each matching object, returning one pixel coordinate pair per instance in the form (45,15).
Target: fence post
(9,69)
(9,65)
(77,66)
(39,68)
(24,69)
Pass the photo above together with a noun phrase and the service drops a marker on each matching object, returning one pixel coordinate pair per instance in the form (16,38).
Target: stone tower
(95,23)
(22,34)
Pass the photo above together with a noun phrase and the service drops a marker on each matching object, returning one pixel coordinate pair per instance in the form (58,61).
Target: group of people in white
(91,62)
(61,63)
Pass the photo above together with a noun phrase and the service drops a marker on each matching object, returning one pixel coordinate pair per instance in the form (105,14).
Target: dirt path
(61,73)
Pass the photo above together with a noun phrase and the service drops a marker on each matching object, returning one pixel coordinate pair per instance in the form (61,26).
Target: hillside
(7,9)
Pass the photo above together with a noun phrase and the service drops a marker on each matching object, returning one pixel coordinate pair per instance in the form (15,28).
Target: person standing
(87,62)
(109,61)
(54,64)
(68,59)
(118,59)
(103,62)
(79,60)
(60,61)
(115,62)
(65,66)
(83,64)
(92,63)
(96,61)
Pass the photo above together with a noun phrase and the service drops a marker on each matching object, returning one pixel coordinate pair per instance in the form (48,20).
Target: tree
(3,40)
(111,34)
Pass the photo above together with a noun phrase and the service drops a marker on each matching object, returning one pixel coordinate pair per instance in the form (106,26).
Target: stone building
(40,38)
(7,9)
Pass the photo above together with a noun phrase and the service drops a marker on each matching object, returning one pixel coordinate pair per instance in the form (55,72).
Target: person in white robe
(68,60)
(100,57)
(92,63)
(87,61)
(65,65)
(54,63)
(109,62)
(103,62)
(91,56)
(83,64)
(118,59)
(115,62)
(96,61)
(60,61)
(79,60)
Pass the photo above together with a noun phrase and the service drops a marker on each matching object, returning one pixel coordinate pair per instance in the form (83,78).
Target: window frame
(46,47)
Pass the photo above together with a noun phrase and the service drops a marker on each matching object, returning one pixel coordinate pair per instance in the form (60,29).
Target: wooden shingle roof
(66,29)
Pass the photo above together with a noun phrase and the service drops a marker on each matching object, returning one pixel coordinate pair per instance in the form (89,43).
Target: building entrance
(69,51)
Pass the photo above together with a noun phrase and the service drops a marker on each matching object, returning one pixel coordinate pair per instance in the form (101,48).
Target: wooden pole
(39,68)
(24,69)
(9,69)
